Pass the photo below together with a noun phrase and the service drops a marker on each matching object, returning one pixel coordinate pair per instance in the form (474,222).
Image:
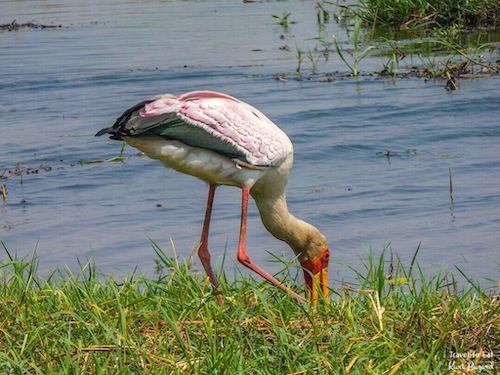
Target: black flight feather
(118,128)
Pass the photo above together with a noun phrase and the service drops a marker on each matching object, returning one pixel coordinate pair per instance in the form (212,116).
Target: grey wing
(171,126)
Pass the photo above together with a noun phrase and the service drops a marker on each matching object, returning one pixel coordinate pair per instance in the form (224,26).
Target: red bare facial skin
(315,266)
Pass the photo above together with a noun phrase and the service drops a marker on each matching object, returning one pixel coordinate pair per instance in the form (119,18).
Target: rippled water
(58,86)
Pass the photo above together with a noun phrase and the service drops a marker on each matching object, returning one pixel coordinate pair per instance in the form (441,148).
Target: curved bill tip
(320,282)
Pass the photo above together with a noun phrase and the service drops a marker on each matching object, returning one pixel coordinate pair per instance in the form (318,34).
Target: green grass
(405,14)
(394,321)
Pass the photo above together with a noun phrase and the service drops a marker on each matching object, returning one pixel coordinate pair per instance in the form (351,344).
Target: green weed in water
(119,157)
(358,52)
(283,19)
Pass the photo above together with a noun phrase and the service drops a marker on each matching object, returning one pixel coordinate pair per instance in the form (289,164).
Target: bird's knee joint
(204,254)
(244,259)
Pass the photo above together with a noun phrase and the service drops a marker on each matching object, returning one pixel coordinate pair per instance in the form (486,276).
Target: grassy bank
(404,14)
(394,321)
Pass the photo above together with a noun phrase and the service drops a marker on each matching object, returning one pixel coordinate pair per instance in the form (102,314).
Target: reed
(394,320)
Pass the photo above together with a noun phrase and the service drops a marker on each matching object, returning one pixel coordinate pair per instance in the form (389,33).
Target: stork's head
(316,274)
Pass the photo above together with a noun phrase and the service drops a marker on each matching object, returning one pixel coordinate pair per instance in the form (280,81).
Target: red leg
(243,257)
(203,250)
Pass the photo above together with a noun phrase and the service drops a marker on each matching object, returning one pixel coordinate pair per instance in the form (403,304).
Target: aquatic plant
(299,56)
(119,157)
(312,56)
(394,319)
(357,54)
(444,53)
(459,62)
(391,65)
(326,10)
(283,19)
(322,14)
(395,55)
(313,59)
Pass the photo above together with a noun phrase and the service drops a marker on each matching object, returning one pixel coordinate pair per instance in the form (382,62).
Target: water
(59,86)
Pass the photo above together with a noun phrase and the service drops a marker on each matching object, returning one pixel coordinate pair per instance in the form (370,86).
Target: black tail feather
(118,128)
(104,131)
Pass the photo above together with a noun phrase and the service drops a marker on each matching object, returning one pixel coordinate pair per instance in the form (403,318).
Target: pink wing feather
(227,119)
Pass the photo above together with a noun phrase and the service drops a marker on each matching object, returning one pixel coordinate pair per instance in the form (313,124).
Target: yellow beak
(320,282)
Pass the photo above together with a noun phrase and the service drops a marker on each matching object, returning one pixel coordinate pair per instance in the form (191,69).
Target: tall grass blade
(476,287)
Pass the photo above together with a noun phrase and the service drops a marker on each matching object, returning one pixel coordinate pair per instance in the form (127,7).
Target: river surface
(372,156)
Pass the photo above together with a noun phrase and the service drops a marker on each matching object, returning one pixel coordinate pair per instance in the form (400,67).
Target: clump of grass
(394,320)
(404,14)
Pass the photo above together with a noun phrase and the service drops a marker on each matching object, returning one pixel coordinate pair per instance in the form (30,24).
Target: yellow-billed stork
(224,141)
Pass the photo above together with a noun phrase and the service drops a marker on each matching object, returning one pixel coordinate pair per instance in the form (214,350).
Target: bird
(225,141)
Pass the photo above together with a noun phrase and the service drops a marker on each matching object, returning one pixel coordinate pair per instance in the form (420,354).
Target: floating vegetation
(19,170)
(13,26)
(119,157)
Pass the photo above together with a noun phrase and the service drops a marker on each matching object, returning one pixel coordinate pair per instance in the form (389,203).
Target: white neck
(306,241)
